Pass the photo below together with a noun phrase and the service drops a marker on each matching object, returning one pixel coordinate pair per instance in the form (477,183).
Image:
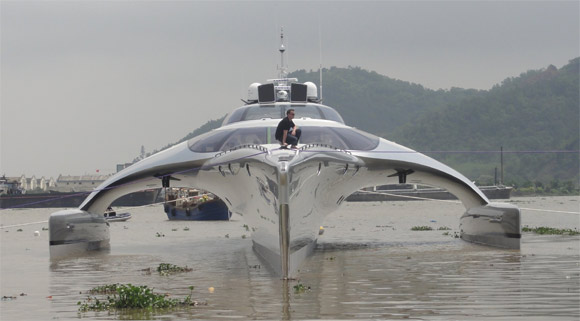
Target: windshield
(339,137)
(278,111)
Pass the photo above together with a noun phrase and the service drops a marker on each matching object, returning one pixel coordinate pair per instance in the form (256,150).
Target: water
(368,265)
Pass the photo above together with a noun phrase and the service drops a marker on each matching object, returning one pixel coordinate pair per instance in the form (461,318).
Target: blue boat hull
(209,211)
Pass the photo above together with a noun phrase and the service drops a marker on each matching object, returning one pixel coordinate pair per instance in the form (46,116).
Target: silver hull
(75,232)
(494,224)
(284,196)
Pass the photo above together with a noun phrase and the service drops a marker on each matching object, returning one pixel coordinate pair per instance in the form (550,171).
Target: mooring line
(411,197)
(551,211)
(23,224)
(123,208)
(458,202)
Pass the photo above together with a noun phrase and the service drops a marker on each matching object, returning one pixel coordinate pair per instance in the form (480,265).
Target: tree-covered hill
(534,117)
(376,103)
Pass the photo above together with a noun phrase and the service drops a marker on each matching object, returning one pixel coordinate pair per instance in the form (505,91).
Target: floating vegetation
(444,228)
(166,269)
(146,271)
(173,229)
(128,296)
(227,236)
(244,236)
(104,289)
(12,297)
(160,234)
(246,227)
(44,228)
(186,228)
(454,235)
(551,230)
(19,230)
(301,288)
(421,228)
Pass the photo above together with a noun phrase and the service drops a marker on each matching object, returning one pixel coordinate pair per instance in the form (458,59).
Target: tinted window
(307,111)
(356,139)
(342,138)
(259,111)
(209,142)
(331,114)
(234,116)
(224,140)
(265,111)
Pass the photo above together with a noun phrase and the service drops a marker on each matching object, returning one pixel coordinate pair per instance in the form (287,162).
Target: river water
(369,264)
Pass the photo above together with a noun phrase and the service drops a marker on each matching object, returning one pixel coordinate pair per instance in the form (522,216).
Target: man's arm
(284,135)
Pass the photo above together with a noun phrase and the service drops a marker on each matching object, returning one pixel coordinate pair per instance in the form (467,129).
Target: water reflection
(398,274)
(364,282)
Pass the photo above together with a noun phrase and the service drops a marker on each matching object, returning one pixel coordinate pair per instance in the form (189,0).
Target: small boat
(193,204)
(112,216)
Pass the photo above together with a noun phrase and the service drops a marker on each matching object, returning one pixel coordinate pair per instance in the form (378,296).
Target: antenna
(283,69)
(320,57)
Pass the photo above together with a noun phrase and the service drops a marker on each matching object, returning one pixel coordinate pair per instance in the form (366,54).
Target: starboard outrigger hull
(493,224)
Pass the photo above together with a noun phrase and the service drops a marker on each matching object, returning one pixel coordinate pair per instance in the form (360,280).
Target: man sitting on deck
(287,132)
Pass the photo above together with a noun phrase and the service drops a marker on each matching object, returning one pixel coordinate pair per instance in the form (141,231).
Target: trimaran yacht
(283,194)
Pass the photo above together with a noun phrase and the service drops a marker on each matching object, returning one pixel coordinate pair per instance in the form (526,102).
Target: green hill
(534,117)
(376,103)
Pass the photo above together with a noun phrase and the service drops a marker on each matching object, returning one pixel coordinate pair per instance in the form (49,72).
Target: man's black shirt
(284,124)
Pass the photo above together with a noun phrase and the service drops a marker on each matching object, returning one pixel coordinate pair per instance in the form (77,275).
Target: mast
(501,165)
(283,68)
(320,58)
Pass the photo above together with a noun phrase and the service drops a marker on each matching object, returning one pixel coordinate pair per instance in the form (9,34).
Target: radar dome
(253,91)
(311,91)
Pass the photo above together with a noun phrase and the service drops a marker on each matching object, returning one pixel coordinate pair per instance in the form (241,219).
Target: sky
(85,84)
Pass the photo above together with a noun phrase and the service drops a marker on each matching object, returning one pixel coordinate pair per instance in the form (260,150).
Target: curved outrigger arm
(79,230)
(494,224)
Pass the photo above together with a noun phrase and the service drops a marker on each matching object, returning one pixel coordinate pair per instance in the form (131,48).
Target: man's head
(290,113)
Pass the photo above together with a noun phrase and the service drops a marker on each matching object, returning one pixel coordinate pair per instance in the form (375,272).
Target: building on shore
(81,183)
(63,184)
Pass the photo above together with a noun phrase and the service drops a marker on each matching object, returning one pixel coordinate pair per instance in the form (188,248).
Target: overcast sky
(85,83)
